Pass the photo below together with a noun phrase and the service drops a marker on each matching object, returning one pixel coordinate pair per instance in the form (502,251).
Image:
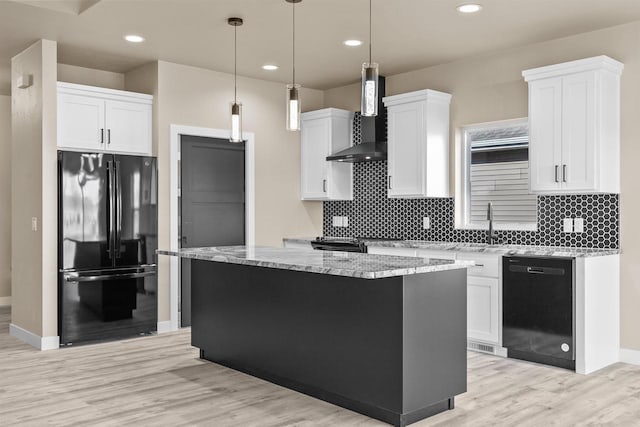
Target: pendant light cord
(293,6)
(369,32)
(235,64)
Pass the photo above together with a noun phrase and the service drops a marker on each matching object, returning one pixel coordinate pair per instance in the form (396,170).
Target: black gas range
(343,244)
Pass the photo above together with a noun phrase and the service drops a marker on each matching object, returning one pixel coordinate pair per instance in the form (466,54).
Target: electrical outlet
(567,225)
(34,223)
(345,221)
(578,225)
(426,223)
(337,221)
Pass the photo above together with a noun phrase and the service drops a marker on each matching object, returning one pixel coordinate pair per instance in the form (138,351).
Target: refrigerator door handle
(110,211)
(118,240)
(132,269)
(97,278)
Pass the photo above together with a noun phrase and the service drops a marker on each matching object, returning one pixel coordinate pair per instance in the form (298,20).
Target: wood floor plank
(159,381)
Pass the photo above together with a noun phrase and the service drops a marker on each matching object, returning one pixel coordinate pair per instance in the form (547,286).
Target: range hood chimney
(374,136)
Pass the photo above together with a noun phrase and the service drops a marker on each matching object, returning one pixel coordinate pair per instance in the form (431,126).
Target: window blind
(499,173)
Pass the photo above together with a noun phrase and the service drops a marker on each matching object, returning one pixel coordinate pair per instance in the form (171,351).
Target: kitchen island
(381,335)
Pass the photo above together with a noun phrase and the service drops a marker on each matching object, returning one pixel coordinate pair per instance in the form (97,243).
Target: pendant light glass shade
(293,107)
(236,122)
(369,98)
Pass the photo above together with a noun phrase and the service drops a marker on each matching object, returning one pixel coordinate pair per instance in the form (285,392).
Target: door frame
(176,131)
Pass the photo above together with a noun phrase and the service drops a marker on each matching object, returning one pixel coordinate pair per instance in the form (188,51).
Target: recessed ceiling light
(270,67)
(134,38)
(469,8)
(352,42)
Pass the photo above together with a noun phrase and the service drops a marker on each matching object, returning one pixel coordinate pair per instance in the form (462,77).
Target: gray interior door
(212,201)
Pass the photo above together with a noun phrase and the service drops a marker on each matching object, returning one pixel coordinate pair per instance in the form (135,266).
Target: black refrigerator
(107,241)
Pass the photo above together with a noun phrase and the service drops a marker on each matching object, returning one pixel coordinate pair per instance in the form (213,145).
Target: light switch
(578,225)
(337,221)
(426,224)
(34,223)
(567,225)
(345,221)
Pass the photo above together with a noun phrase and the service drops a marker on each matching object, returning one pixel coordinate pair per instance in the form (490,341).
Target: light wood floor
(160,381)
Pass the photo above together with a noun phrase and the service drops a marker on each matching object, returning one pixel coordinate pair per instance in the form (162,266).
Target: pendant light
(369,94)
(236,108)
(293,89)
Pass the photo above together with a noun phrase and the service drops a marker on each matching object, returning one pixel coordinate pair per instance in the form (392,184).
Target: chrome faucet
(492,236)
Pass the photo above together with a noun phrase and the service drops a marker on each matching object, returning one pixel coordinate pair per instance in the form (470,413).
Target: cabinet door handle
(102,136)
(564,173)
(109,136)
(556,173)
(389,182)
(324,185)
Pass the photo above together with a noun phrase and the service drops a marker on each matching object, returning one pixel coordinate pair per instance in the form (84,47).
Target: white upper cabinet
(574,126)
(98,119)
(418,144)
(322,133)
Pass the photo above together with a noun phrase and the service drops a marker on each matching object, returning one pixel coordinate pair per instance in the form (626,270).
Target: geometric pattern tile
(372,214)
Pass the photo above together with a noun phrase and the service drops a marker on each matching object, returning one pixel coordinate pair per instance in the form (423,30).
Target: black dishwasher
(538,309)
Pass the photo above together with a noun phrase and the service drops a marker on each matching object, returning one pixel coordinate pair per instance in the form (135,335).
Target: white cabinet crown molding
(104,93)
(326,113)
(601,62)
(418,95)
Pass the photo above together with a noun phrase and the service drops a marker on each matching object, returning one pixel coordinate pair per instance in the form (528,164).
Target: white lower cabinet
(483,302)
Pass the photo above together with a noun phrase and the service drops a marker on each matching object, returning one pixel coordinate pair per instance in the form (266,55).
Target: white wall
(90,77)
(34,191)
(5,200)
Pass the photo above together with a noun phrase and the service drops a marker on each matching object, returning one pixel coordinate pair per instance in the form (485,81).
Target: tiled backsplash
(372,214)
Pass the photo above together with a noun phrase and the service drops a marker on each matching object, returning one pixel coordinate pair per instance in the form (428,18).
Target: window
(496,170)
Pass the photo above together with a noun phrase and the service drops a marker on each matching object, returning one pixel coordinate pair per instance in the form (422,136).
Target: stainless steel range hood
(374,136)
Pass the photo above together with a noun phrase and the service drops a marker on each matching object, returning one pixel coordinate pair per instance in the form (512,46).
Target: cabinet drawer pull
(389,183)
(556,173)
(564,173)
(479,265)
(324,185)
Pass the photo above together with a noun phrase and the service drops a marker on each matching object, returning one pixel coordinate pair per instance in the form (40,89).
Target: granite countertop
(350,264)
(482,248)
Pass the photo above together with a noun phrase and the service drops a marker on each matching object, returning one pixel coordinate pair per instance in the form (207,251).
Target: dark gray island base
(392,348)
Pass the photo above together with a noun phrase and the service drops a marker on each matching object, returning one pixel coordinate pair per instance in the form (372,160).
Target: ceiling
(407,34)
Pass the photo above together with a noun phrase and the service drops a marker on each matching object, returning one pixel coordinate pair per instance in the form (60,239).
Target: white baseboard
(41,343)
(166,326)
(501,351)
(5,301)
(630,356)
